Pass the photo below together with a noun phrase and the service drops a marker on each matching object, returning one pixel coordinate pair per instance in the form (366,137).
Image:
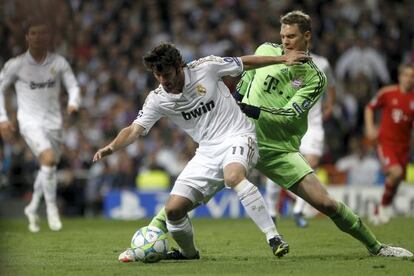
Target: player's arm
(329,99)
(297,106)
(7,77)
(124,138)
(72,88)
(371,131)
(292,58)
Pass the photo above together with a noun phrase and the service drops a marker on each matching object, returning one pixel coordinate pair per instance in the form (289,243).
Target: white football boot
(392,251)
(127,256)
(53,217)
(33,220)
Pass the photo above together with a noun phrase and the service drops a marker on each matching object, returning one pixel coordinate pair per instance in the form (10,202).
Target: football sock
(182,232)
(49,184)
(160,221)
(389,191)
(255,206)
(350,223)
(37,193)
(271,197)
(299,206)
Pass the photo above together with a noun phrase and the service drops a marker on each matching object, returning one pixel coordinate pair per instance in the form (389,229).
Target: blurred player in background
(397,105)
(37,75)
(195,98)
(279,99)
(311,146)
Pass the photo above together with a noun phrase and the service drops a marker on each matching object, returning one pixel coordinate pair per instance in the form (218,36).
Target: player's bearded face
(171,79)
(38,37)
(293,38)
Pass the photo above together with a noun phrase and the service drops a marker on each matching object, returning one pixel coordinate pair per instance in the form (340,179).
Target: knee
(396,173)
(174,212)
(233,178)
(47,158)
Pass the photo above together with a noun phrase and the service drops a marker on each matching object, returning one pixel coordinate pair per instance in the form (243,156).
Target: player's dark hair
(303,20)
(36,21)
(404,66)
(162,56)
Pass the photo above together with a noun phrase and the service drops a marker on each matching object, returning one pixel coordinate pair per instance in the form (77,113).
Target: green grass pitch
(227,247)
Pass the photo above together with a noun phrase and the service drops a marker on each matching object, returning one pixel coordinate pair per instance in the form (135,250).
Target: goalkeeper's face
(293,38)
(171,79)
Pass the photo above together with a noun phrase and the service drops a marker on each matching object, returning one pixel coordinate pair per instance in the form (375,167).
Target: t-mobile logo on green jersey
(270,83)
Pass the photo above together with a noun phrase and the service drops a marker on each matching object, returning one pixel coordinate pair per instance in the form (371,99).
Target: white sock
(299,205)
(37,194)
(272,191)
(182,232)
(49,184)
(255,207)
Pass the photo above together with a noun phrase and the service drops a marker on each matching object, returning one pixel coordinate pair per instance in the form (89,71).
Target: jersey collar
(34,62)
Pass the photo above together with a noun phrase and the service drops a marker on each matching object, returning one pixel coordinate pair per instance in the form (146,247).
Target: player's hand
(294,57)
(102,153)
(71,109)
(250,110)
(6,130)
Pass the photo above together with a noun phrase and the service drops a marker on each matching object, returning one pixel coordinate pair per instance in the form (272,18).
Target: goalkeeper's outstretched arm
(125,137)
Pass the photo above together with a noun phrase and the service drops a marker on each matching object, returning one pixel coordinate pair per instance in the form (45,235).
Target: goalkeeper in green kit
(278,98)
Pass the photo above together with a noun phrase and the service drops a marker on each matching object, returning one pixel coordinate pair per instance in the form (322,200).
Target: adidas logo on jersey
(203,108)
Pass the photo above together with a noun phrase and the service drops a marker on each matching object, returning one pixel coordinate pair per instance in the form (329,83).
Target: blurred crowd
(105,40)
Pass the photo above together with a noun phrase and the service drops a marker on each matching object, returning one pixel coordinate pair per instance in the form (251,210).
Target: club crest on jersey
(296,84)
(201,90)
(53,71)
(412,105)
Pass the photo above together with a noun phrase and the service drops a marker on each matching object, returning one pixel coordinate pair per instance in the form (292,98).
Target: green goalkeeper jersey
(284,94)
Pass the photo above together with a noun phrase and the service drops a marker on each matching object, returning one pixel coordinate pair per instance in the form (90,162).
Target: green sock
(350,223)
(160,221)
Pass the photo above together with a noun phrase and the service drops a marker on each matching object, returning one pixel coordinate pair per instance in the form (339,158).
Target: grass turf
(227,247)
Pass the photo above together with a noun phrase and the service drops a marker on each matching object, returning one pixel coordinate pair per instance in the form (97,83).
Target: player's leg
(32,208)
(160,221)
(241,156)
(45,146)
(49,184)
(272,193)
(179,224)
(310,189)
(394,160)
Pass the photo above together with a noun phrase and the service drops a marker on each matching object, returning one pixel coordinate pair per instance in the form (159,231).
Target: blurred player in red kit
(394,133)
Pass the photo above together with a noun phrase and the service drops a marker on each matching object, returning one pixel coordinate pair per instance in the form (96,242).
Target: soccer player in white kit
(312,142)
(195,98)
(37,75)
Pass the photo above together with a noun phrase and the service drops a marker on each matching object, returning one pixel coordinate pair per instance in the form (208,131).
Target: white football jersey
(37,88)
(205,109)
(315,113)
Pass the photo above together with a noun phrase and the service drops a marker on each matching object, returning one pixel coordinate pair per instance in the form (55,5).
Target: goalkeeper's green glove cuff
(250,110)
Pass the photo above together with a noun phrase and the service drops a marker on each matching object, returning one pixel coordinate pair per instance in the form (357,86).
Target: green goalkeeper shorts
(284,168)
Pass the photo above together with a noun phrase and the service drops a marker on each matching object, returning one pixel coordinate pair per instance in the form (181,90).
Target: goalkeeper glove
(250,110)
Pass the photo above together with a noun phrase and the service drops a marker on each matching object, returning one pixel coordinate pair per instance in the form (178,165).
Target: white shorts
(40,139)
(312,142)
(204,173)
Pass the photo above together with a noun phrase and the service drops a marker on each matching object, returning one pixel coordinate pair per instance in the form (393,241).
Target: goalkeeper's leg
(311,190)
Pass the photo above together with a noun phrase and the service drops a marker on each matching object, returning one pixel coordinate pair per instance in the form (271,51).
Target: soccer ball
(149,244)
